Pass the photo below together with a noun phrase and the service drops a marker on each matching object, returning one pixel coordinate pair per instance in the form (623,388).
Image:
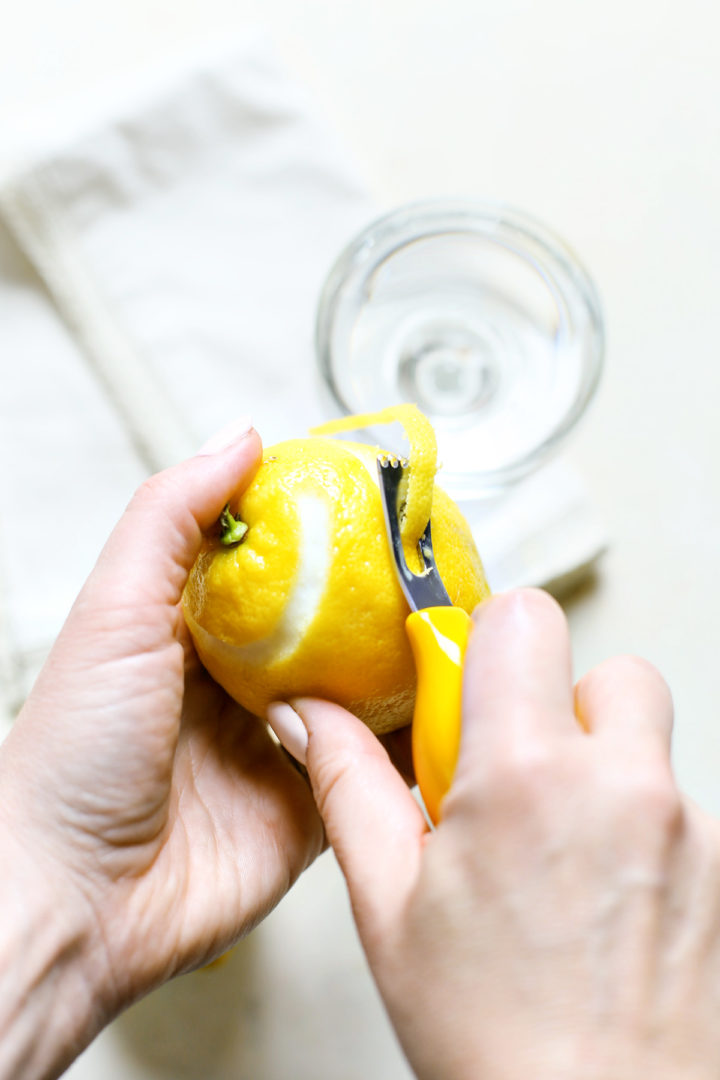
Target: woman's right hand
(564,918)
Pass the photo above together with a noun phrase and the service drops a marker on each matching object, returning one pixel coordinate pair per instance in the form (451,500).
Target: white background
(603,120)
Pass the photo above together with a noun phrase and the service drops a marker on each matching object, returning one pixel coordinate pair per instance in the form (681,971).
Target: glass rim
(533,241)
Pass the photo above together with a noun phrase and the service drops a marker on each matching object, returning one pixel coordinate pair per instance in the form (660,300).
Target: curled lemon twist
(416,491)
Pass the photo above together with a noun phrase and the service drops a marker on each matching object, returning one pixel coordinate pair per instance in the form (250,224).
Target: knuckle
(328,777)
(662,802)
(523,771)
(150,490)
(162,498)
(627,668)
(642,669)
(651,792)
(635,671)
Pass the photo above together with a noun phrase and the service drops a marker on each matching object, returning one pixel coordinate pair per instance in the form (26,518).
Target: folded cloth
(162,250)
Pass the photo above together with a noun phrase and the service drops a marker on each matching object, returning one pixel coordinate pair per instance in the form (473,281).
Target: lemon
(307,602)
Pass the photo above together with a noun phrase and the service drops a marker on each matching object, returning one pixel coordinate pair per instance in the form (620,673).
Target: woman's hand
(563,921)
(146,821)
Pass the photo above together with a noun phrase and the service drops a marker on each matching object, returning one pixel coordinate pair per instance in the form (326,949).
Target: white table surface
(603,120)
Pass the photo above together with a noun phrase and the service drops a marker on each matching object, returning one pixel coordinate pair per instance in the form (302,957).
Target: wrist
(54,994)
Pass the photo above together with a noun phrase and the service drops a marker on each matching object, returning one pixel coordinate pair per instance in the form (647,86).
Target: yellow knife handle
(438,637)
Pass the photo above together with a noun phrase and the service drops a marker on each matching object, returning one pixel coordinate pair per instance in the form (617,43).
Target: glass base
(448,369)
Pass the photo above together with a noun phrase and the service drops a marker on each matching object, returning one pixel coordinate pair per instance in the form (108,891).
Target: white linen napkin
(162,250)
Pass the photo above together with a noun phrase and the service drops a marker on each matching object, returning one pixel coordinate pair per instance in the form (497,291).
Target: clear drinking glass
(480,316)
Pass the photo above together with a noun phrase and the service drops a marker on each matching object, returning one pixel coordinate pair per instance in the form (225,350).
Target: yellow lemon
(307,603)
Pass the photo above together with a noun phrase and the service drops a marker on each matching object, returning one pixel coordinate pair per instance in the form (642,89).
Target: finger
(518,672)
(372,821)
(153,546)
(626,697)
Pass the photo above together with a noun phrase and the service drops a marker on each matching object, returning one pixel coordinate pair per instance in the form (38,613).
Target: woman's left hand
(140,807)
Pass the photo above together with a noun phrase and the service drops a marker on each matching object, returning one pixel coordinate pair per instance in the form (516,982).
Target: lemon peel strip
(420,435)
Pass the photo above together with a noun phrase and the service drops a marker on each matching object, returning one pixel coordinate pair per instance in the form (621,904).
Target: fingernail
(228,435)
(289,729)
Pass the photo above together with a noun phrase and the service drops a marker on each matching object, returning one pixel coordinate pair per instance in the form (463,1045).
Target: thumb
(371,819)
(152,548)
(128,609)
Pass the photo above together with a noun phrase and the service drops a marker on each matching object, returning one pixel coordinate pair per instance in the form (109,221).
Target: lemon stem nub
(233,530)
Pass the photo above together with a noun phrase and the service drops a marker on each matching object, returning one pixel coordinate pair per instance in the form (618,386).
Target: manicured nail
(228,435)
(289,729)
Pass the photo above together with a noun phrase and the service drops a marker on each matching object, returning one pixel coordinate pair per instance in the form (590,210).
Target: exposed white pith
(305,596)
